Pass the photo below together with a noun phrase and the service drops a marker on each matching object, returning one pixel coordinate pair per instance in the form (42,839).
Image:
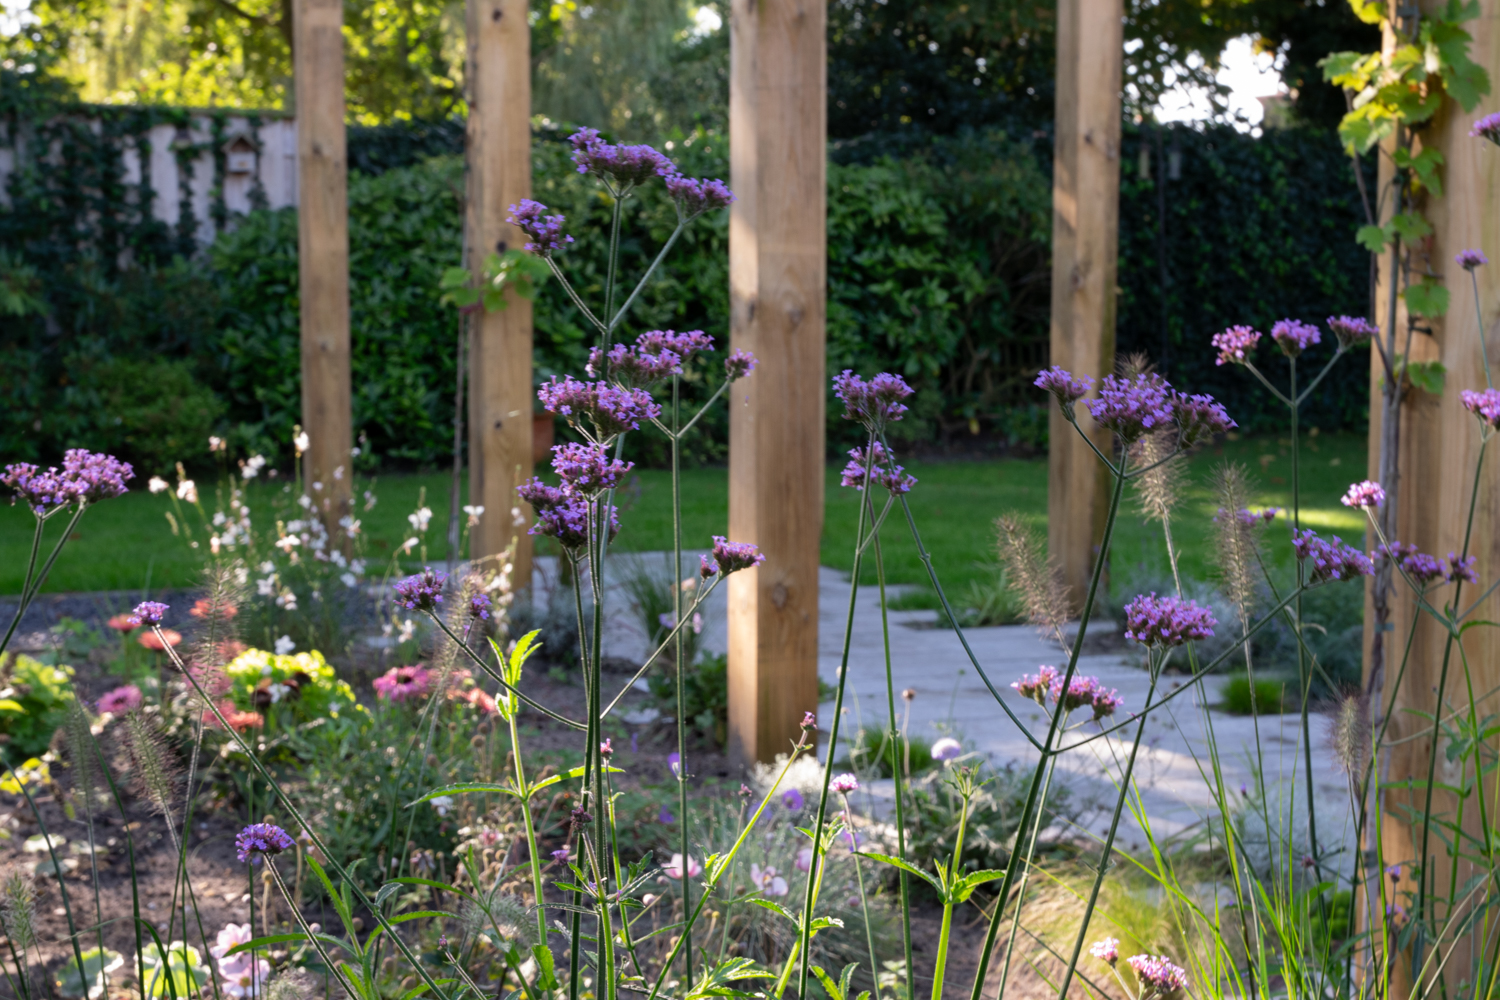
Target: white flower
(517,519)
(301,442)
(370,499)
(287,543)
(285,645)
(442,804)
(266,586)
(408,545)
(357,567)
(241,574)
(420,518)
(337,558)
(187,491)
(278,691)
(350,580)
(287,599)
(157,484)
(217,444)
(408,629)
(305,502)
(250,468)
(473,510)
(338,472)
(219,518)
(268,567)
(947,748)
(317,487)
(350,526)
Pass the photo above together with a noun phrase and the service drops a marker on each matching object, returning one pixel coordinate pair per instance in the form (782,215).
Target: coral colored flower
(400,683)
(121,699)
(1166,621)
(259,839)
(153,641)
(1107,950)
(1294,336)
(240,722)
(1364,494)
(124,622)
(1235,345)
(673,868)
(205,607)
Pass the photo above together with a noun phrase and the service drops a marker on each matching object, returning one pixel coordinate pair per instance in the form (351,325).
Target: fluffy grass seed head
(155,769)
(1349,735)
(1235,537)
(18,908)
(1031,576)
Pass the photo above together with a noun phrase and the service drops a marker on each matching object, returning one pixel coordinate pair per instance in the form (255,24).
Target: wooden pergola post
(323,253)
(777,306)
(500,390)
(1439,445)
(1085,249)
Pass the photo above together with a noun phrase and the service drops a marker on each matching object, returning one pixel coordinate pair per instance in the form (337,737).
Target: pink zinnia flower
(400,683)
(121,699)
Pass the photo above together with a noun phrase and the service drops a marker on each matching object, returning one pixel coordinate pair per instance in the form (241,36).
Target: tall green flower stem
(964,785)
(864,902)
(678,621)
(32,584)
(814,874)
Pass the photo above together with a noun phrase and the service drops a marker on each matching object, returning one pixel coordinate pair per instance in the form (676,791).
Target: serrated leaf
(1410,226)
(778,908)
(546,967)
(1372,238)
(899,863)
(1429,376)
(465,788)
(386,892)
(1427,298)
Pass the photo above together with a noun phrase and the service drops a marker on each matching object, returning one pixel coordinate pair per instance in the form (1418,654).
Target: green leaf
(413,880)
(1410,226)
(887,859)
(546,968)
(421,988)
(823,923)
(1429,376)
(92,981)
(1372,238)
(419,914)
(778,908)
(464,788)
(965,886)
(1427,298)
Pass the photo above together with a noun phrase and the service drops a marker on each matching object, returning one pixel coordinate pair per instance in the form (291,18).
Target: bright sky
(1245,73)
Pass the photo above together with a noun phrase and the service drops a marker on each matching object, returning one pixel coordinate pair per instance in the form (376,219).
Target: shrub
(297,687)
(33,704)
(1267,697)
(153,412)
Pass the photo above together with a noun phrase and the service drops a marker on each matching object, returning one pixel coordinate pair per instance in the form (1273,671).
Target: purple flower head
(738,365)
(874,403)
(1330,559)
(624,165)
(1461,568)
(1419,566)
(479,606)
(149,613)
(1351,330)
(1036,686)
(544,230)
(1484,404)
(1131,407)
(541,496)
(1393,872)
(1107,950)
(610,409)
(41,491)
(665,816)
(674,761)
(809,720)
(844,783)
(1166,621)
(1252,518)
(568,522)
(1080,692)
(694,196)
(95,476)
(895,478)
(421,591)
(633,367)
(1199,418)
(735,556)
(947,748)
(684,345)
(1470,259)
(1067,387)
(1294,336)
(587,469)
(792,800)
(561,854)
(607,749)
(1106,702)
(1235,344)
(707,567)
(259,839)
(1364,494)
(1487,127)
(1158,976)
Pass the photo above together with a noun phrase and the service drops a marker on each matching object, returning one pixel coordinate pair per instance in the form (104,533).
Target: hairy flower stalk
(1032,577)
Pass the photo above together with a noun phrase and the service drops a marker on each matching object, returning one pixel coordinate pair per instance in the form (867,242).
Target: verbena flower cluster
(1351,330)
(149,613)
(562,513)
(1461,568)
(1082,692)
(1487,127)
(1329,559)
(1470,259)
(261,840)
(694,196)
(1107,950)
(1484,404)
(1157,975)
(610,409)
(1167,621)
(1199,418)
(421,591)
(882,472)
(1294,336)
(587,469)
(1067,387)
(545,230)
(1235,344)
(86,477)
(1420,566)
(1364,494)
(1133,406)
(622,164)
(730,557)
(874,403)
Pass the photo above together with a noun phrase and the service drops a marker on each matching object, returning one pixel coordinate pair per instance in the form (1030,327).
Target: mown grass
(128,543)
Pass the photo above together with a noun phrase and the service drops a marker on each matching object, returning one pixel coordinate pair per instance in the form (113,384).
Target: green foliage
(882,751)
(295,688)
(33,704)
(1266,697)
(154,412)
(705,690)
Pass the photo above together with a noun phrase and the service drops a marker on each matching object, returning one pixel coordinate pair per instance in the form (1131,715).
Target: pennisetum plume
(1234,535)
(1032,577)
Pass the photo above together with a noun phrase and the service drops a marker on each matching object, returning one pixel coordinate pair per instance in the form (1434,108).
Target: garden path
(1173,770)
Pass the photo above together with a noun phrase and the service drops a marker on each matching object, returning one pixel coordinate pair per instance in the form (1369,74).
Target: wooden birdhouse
(239,155)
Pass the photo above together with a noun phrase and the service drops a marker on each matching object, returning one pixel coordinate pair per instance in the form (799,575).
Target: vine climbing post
(323,254)
(777,307)
(498,150)
(1085,250)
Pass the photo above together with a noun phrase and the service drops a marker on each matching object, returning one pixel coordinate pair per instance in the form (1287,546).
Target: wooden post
(500,390)
(1439,446)
(1085,248)
(777,269)
(323,253)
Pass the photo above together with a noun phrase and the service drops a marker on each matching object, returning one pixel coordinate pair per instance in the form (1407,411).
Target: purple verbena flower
(610,409)
(874,403)
(1364,494)
(1067,387)
(707,567)
(1252,518)
(1080,692)
(735,556)
(586,469)
(684,345)
(1106,702)
(42,491)
(1470,259)
(1351,330)
(625,165)
(1036,686)
(792,799)
(1329,559)
(738,365)
(1132,407)
(95,476)
(544,230)
(1199,418)
(1166,621)
(1487,127)
(149,613)
(893,478)
(421,591)
(260,839)
(1235,344)
(1294,336)
(1158,976)
(1419,566)
(1107,950)
(1484,404)
(1461,568)
(809,720)
(696,196)
(479,606)
(568,522)
(844,783)
(632,366)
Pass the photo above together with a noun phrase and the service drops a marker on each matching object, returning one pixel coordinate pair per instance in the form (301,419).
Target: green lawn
(127,543)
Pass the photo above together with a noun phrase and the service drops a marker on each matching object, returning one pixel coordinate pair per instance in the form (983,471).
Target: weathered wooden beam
(1085,249)
(777,271)
(323,253)
(500,391)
